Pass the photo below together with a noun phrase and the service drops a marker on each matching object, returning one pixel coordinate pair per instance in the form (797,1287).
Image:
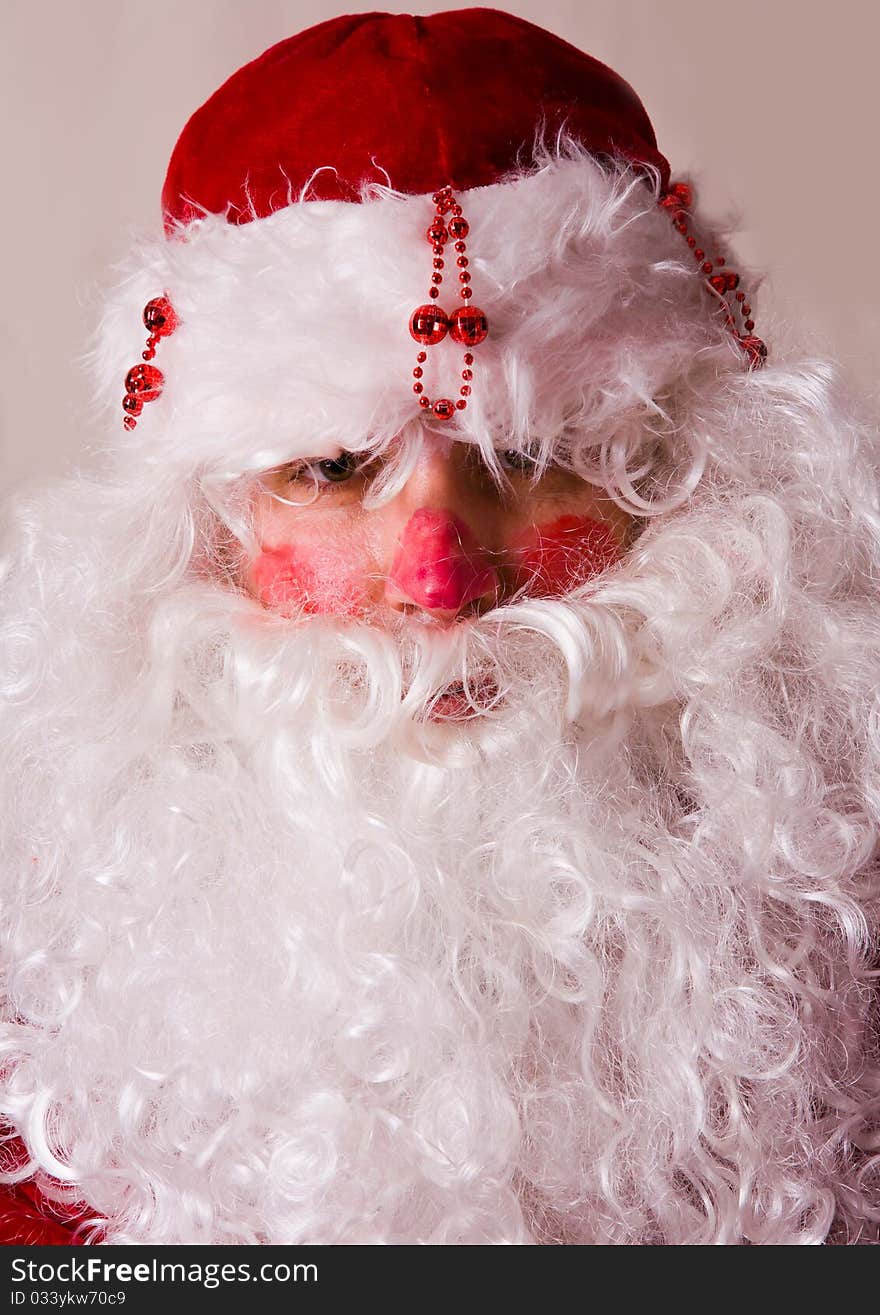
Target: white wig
(288,960)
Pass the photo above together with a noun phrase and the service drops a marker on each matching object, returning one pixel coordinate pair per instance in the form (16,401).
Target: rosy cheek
(551,559)
(317,580)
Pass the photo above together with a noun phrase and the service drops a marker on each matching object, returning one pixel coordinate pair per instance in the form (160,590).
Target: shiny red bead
(132,404)
(685,194)
(424,402)
(429,324)
(462,261)
(423,356)
(464,277)
(692,242)
(436,278)
(725,282)
(465,390)
(468,325)
(160,317)
(149,354)
(467,292)
(417,372)
(146,381)
(418,388)
(707,267)
(437,234)
(740,296)
(460,404)
(438,263)
(750,324)
(468,358)
(461,246)
(443,201)
(433,292)
(467,374)
(459,227)
(746,308)
(443,409)
(699,253)
(129,422)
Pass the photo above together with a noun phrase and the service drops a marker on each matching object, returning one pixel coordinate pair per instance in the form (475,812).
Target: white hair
(286,958)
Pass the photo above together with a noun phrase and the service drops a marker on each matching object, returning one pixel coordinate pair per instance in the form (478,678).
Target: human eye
(516,461)
(332,470)
(322,472)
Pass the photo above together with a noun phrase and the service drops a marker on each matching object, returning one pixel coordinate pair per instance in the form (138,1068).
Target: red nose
(438,565)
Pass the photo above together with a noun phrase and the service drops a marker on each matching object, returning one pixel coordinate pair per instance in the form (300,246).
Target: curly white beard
(288,959)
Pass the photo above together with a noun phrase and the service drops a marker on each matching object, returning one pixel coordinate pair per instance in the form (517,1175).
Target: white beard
(291,962)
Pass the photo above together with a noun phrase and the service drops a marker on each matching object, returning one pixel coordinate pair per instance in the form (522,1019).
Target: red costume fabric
(412,83)
(27,1219)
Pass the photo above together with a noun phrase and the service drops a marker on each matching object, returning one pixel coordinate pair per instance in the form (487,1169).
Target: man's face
(451,541)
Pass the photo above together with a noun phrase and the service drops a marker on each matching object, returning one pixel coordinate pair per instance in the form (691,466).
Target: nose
(439,567)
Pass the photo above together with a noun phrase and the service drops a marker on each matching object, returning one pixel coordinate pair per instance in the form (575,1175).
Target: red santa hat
(299,308)
(412,102)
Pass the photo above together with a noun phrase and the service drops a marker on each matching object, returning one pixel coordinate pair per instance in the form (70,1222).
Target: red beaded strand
(144,383)
(678,201)
(429,324)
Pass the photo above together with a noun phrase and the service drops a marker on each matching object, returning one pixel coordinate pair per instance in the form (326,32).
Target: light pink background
(772,104)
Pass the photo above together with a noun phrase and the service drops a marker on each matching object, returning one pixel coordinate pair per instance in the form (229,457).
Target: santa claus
(441,746)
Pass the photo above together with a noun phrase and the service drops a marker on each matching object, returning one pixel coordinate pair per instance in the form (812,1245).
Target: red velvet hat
(455,98)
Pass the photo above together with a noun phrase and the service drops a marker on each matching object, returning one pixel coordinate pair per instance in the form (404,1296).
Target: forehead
(295,339)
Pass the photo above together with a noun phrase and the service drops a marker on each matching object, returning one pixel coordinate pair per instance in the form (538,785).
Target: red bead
(692,241)
(418,388)
(423,356)
(132,404)
(145,380)
(460,404)
(160,317)
(465,390)
(750,324)
(433,292)
(459,227)
(464,277)
(699,253)
(148,354)
(740,296)
(725,282)
(429,324)
(468,357)
(462,261)
(746,308)
(443,409)
(456,209)
(755,350)
(417,372)
(468,325)
(467,374)
(438,249)
(707,267)
(461,246)
(437,234)
(436,278)
(129,422)
(443,201)
(467,292)
(679,197)
(424,401)
(438,263)
(681,225)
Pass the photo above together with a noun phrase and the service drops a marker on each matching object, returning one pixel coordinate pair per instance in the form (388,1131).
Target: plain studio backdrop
(771,106)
